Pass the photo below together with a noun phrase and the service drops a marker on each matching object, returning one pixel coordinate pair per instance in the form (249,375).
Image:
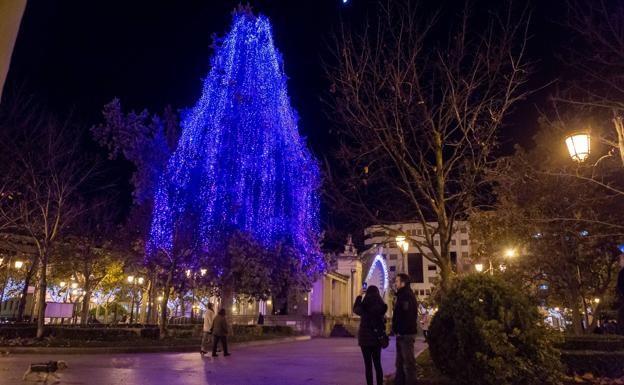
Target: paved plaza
(332,361)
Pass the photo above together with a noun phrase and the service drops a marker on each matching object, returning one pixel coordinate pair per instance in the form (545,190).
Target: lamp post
(579,145)
(403,246)
(134,281)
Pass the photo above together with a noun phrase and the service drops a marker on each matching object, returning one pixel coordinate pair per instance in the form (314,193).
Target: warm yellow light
(557,309)
(130,278)
(74,285)
(1,260)
(62,284)
(188,273)
(578,146)
(141,280)
(402,243)
(269,302)
(19,264)
(74,292)
(160,298)
(203,272)
(479,267)
(597,300)
(510,253)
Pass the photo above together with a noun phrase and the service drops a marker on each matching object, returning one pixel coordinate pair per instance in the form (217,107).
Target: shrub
(605,343)
(601,364)
(488,332)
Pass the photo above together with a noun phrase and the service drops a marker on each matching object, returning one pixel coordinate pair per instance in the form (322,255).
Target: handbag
(383,338)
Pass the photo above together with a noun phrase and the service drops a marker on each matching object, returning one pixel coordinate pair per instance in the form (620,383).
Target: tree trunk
(84,311)
(162,327)
(43,284)
(577,327)
(22,302)
(86,300)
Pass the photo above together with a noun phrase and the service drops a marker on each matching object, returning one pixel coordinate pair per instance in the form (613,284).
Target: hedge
(77,333)
(600,364)
(604,343)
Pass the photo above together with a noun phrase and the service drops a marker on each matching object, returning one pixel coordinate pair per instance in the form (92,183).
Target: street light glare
(479,267)
(19,264)
(131,278)
(141,280)
(578,146)
(510,253)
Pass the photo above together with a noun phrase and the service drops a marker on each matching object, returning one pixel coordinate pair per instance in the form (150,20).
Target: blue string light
(240,163)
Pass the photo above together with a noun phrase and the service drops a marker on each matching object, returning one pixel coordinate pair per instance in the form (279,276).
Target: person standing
(425,320)
(620,295)
(371,308)
(209,316)
(220,331)
(404,327)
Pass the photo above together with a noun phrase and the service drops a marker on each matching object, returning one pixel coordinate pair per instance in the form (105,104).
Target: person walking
(220,331)
(405,327)
(209,316)
(425,320)
(371,308)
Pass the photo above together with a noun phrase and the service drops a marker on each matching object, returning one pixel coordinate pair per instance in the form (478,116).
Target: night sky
(77,55)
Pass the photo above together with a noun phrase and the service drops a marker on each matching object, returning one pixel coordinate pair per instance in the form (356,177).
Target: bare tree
(418,114)
(47,169)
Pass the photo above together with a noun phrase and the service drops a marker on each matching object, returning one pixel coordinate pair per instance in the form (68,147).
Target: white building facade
(381,244)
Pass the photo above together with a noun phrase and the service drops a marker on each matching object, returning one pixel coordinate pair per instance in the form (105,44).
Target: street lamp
(510,253)
(19,264)
(597,300)
(479,267)
(130,278)
(579,145)
(402,243)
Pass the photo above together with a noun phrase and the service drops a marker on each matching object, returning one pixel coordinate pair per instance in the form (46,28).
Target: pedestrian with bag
(371,334)
(209,316)
(220,331)
(405,327)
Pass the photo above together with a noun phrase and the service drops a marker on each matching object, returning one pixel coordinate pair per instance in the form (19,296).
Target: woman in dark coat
(371,309)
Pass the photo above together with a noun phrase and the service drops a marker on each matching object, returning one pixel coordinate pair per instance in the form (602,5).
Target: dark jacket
(220,326)
(405,313)
(372,322)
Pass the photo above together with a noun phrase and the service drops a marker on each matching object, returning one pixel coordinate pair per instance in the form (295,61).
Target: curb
(138,349)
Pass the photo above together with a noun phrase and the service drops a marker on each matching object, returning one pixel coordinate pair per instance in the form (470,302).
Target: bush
(601,364)
(605,343)
(277,329)
(488,332)
(89,333)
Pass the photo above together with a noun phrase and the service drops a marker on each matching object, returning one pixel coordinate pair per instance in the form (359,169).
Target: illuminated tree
(240,164)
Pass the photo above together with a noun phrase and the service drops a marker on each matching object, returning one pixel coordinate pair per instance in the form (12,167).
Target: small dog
(44,370)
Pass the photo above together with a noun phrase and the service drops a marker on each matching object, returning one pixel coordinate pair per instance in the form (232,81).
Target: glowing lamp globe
(479,267)
(578,146)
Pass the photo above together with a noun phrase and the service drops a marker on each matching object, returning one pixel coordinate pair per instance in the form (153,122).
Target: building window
(463,230)
(392,256)
(428,292)
(422,292)
(436,242)
(432,267)
(464,242)
(464,254)
(453,242)
(415,267)
(420,232)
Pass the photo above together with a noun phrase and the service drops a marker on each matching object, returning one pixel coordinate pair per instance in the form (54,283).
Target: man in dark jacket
(404,327)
